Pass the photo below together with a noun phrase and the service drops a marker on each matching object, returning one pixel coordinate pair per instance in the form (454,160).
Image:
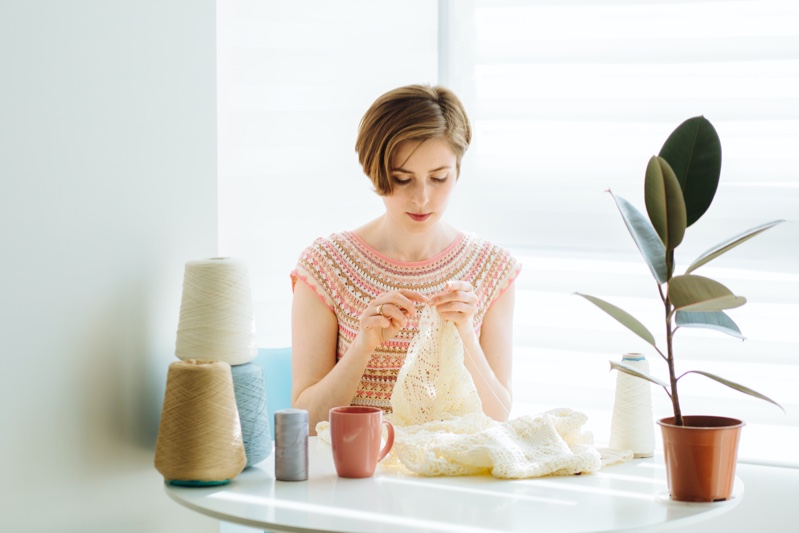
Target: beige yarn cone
(199,437)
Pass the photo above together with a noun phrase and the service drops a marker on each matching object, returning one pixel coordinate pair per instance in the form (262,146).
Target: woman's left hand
(457,303)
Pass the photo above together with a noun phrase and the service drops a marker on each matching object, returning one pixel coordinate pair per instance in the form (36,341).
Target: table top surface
(627,497)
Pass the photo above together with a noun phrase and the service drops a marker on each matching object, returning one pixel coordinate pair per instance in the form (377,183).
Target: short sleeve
(502,269)
(315,269)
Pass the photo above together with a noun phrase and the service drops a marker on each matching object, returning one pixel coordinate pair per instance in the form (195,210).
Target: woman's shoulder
(320,265)
(492,266)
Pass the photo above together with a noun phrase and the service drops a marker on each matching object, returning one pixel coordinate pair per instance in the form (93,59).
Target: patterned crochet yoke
(346,274)
(442,431)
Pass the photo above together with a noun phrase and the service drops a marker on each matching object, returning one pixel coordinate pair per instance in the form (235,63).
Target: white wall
(108,173)
(294,80)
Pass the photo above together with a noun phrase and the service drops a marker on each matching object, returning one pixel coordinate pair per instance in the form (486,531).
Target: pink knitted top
(346,274)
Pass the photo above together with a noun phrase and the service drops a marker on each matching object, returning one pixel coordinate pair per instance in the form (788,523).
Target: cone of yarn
(199,437)
(248,383)
(216,316)
(632,425)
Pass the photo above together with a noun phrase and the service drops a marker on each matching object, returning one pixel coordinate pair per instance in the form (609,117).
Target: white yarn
(549,444)
(441,430)
(216,317)
(433,383)
(632,426)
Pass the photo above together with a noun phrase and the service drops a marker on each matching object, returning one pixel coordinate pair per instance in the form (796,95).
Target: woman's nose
(420,194)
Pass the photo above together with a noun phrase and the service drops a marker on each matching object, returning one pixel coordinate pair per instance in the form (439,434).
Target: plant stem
(675,399)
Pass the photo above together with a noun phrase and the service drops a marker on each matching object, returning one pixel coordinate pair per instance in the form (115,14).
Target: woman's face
(423,175)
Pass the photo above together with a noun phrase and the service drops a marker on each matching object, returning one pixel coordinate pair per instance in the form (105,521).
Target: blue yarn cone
(248,384)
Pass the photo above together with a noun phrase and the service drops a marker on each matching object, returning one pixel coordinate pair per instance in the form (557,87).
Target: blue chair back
(276,363)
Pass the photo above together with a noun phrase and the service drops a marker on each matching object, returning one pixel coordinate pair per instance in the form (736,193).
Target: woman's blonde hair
(410,113)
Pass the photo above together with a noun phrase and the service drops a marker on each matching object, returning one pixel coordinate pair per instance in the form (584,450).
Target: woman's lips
(418,217)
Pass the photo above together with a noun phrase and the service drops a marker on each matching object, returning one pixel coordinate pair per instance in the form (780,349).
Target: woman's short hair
(410,113)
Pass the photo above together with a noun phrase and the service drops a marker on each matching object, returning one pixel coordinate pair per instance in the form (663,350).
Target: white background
(567,99)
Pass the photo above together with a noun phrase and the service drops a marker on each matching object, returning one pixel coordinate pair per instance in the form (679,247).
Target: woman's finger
(394,314)
(454,290)
(371,321)
(455,296)
(402,301)
(459,285)
(455,307)
(413,295)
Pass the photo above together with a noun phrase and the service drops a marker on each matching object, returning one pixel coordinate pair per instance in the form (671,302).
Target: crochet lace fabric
(434,383)
(441,429)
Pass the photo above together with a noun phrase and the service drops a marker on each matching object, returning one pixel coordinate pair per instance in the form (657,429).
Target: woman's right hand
(387,314)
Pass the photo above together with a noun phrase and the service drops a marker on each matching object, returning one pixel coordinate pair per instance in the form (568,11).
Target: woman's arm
(318,383)
(489,358)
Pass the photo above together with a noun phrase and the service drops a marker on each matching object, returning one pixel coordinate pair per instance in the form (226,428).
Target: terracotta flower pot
(701,457)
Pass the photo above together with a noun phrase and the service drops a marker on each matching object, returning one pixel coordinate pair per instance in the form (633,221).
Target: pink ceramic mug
(355,434)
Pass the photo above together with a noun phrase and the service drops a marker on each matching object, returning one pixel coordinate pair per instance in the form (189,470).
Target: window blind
(569,99)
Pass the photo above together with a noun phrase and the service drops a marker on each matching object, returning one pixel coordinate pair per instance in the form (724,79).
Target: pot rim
(720,422)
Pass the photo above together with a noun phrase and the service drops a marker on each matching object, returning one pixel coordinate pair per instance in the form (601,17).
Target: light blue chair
(276,363)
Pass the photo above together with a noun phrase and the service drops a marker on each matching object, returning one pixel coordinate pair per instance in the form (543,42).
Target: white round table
(626,497)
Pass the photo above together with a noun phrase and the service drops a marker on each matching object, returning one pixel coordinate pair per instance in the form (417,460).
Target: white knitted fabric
(441,430)
(433,383)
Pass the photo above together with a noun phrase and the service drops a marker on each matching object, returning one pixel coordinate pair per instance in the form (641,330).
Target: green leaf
(625,318)
(645,237)
(715,320)
(664,202)
(637,373)
(697,293)
(693,151)
(736,386)
(730,244)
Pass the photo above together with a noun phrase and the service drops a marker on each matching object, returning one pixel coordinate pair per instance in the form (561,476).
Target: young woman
(357,303)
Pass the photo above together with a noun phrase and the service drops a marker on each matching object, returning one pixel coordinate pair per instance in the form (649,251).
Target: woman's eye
(400,181)
(441,179)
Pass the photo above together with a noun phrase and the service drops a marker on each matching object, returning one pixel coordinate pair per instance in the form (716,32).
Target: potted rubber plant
(679,186)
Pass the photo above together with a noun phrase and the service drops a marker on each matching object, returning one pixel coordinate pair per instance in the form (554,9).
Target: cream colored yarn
(441,430)
(433,384)
(632,425)
(528,446)
(216,318)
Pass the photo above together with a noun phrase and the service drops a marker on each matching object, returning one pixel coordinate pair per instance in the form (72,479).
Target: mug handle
(389,441)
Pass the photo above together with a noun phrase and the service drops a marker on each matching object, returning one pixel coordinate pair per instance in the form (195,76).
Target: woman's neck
(399,245)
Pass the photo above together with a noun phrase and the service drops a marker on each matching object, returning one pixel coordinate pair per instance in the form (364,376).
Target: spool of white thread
(632,426)
(216,316)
